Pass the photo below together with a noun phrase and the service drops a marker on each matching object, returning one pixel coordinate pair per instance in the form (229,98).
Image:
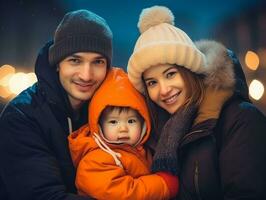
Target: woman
(214,138)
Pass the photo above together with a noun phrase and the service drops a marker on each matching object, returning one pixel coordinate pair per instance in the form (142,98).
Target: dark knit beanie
(81,31)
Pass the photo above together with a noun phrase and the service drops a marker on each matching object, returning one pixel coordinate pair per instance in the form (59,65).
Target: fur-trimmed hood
(222,69)
(219,66)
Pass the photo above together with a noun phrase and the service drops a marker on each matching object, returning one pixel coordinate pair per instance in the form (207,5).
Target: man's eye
(74,60)
(99,62)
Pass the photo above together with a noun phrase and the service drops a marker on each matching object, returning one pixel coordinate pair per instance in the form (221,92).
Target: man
(35,159)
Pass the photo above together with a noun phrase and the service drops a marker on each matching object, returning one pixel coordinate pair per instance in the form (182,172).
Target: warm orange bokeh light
(4,92)
(5,70)
(5,80)
(12,83)
(252,60)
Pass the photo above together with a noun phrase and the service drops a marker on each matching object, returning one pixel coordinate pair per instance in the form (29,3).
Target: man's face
(81,74)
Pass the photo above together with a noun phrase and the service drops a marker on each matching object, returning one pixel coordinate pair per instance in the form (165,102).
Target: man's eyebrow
(78,56)
(99,57)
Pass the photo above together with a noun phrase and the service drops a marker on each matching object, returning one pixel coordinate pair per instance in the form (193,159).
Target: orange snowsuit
(123,172)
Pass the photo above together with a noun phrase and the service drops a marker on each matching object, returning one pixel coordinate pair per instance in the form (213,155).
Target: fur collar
(219,69)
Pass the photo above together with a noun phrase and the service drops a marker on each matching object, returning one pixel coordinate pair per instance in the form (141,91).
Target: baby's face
(124,126)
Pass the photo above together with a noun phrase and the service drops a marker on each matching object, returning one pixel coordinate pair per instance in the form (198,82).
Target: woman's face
(165,86)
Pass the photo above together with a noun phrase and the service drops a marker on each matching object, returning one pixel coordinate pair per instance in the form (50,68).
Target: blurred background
(26,25)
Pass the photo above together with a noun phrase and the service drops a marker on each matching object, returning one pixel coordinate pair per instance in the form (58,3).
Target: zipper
(196,180)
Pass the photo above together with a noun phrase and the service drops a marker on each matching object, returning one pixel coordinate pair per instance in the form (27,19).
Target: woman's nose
(164,88)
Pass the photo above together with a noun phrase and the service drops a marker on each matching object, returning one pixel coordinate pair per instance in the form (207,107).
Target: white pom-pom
(153,16)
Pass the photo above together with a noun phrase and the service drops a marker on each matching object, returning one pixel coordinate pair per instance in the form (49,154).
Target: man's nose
(85,72)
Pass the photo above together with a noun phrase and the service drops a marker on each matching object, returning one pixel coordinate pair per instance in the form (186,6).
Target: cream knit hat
(161,42)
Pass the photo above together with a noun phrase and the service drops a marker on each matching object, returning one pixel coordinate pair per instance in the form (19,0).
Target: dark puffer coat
(225,158)
(35,160)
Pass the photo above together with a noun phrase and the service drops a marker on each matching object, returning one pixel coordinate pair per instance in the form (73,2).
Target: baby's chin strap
(107,149)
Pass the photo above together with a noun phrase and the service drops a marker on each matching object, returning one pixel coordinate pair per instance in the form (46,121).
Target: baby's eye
(131,121)
(112,122)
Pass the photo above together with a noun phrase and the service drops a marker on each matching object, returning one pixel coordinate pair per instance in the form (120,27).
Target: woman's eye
(171,74)
(150,83)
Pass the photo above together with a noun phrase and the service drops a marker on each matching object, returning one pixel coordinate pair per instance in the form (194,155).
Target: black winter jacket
(226,161)
(225,158)
(35,159)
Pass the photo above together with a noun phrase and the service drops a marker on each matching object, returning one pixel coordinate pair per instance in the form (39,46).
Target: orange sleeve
(99,177)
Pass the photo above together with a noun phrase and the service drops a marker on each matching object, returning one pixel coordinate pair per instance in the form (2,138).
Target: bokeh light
(256,89)
(6,72)
(32,78)
(5,80)
(12,83)
(20,81)
(4,92)
(6,69)
(252,60)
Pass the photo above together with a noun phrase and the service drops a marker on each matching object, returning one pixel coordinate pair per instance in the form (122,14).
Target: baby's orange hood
(117,90)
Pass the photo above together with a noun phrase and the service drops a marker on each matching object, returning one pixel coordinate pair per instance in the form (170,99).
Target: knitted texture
(166,159)
(161,43)
(81,31)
